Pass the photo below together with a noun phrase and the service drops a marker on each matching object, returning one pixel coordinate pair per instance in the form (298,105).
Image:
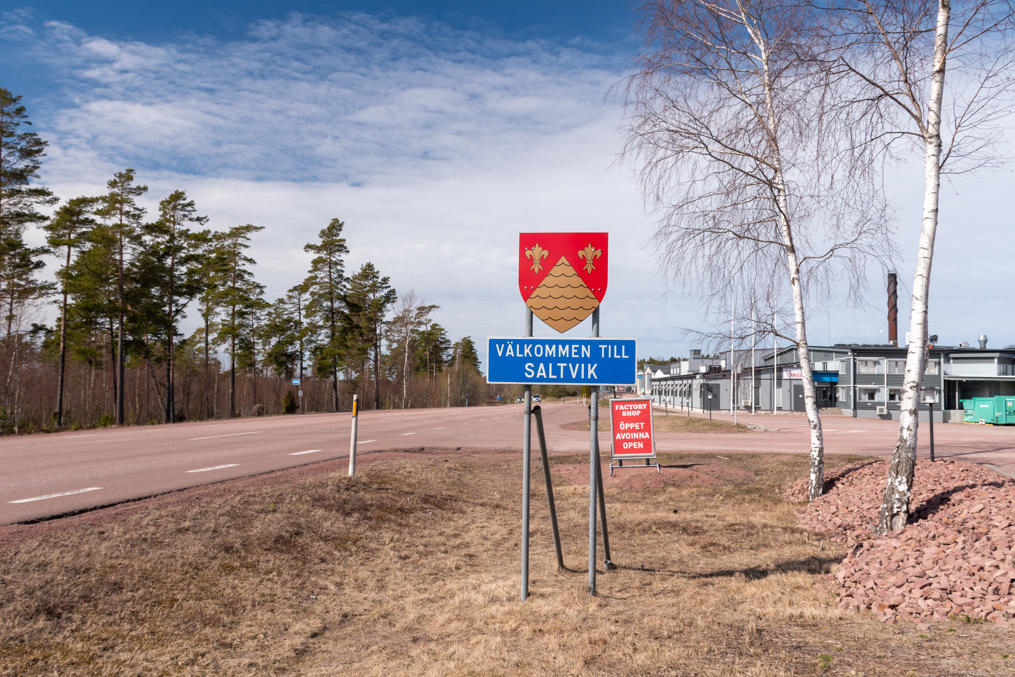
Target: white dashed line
(62,493)
(215,467)
(74,437)
(209,437)
(301,453)
(440,427)
(404,434)
(365,441)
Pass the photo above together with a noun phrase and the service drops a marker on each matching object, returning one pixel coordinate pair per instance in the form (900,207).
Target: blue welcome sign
(561,361)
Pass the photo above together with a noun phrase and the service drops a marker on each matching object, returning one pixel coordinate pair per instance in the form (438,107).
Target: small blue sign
(561,361)
(296,381)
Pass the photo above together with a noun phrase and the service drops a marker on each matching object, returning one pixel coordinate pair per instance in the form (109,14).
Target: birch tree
(897,58)
(732,128)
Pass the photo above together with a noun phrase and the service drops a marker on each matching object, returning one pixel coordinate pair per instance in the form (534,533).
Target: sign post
(562,279)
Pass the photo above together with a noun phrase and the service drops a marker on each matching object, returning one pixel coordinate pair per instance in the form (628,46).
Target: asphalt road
(48,475)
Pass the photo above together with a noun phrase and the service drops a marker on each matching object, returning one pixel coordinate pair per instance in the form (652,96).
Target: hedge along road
(56,474)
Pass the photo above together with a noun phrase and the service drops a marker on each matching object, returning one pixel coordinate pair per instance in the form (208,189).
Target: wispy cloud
(435,145)
(344,99)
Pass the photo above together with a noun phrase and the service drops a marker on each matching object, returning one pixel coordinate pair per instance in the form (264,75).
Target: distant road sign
(631,428)
(296,381)
(561,361)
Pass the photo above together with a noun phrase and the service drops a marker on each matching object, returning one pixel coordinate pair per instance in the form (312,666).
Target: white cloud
(436,146)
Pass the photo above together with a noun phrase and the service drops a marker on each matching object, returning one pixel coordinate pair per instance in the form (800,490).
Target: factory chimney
(893,309)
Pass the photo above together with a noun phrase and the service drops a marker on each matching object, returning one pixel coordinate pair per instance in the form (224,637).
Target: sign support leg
(538,411)
(526,457)
(593,466)
(607,563)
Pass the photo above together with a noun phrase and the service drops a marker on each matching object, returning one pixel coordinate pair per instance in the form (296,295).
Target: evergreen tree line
(125,281)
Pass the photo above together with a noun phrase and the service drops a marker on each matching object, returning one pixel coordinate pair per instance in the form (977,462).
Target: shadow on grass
(810,565)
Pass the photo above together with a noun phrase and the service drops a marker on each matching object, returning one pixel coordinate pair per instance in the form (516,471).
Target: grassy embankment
(413,567)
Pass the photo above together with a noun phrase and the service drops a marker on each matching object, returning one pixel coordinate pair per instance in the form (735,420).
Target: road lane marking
(365,441)
(208,437)
(301,453)
(215,467)
(74,437)
(404,434)
(440,427)
(48,496)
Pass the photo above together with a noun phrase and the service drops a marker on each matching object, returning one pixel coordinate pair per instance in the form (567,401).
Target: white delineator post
(352,437)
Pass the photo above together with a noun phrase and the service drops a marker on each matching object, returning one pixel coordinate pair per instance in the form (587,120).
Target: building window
(894,394)
(868,366)
(869,394)
(933,368)
(896,366)
(843,394)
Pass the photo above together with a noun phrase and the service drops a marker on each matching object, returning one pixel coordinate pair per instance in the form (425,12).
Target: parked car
(537,398)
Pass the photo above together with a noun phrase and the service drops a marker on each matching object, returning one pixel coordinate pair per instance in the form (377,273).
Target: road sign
(561,361)
(562,276)
(296,381)
(631,428)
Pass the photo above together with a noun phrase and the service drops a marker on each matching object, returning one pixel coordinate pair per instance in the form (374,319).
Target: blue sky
(437,131)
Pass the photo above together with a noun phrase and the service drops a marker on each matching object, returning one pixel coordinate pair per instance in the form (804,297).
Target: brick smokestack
(893,309)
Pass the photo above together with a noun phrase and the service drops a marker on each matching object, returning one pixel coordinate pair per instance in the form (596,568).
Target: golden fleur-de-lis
(589,254)
(536,254)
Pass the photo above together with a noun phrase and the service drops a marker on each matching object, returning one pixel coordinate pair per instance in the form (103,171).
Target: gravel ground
(955,559)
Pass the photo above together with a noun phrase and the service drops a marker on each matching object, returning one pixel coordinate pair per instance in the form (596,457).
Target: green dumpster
(997,410)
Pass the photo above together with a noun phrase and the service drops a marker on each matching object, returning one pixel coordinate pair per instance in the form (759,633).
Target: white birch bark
(898,489)
(816,474)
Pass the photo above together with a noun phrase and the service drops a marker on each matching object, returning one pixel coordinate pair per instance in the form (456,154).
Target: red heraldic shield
(562,276)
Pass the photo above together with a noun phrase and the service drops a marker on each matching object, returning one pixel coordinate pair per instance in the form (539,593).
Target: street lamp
(709,403)
(930,395)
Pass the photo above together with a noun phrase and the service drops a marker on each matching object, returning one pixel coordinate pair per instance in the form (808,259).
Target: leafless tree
(896,54)
(732,126)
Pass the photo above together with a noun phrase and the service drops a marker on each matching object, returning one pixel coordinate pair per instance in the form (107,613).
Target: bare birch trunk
(899,487)
(816,476)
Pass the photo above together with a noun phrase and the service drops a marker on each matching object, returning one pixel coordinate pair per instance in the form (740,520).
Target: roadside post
(299,393)
(352,437)
(562,279)
(930,396)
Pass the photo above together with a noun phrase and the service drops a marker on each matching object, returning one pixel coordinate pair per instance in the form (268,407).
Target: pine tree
(173,251)
(236,295)
(367,301)
(21,153)
(66,231)
(123,217)
(325,285)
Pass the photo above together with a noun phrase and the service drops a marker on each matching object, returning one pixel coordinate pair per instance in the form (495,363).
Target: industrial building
(863,381)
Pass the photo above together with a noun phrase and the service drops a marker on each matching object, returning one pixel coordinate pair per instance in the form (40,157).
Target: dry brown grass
(413,569)
(671,423)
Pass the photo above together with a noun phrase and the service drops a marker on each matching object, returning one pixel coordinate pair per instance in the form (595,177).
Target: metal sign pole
(541,434)
(352,438)
(526,456)
(593,466)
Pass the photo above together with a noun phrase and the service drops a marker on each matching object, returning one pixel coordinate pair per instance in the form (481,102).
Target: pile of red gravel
(954,559)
